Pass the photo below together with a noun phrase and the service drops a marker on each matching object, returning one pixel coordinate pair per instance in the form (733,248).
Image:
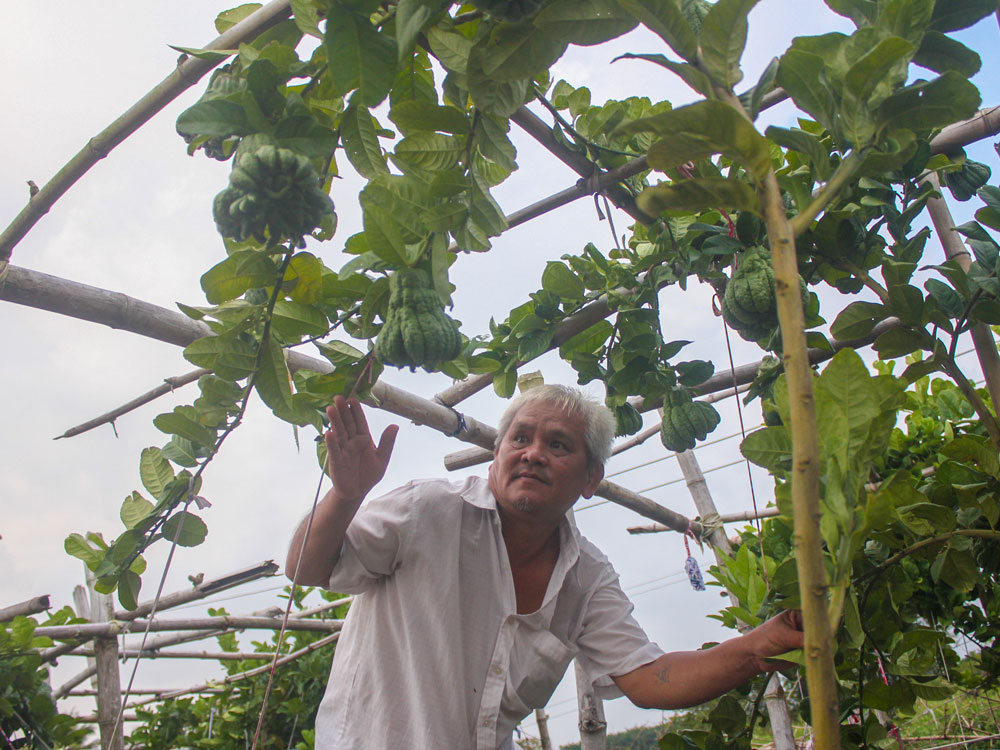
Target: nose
(533,453)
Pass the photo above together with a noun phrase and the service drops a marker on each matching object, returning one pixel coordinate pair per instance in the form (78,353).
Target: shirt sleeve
(376,542)
(611,642)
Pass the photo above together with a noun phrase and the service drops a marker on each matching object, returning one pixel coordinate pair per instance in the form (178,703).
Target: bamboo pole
(114,628)
(30,607)
(108,679)
(189,70)
(954,249)
(820,672)
(774,697)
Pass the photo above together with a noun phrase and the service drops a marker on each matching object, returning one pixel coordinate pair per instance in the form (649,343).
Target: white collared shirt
(433,655)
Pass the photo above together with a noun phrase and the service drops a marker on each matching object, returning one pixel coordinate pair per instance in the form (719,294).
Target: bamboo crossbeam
(656,528)
(66,297)
(116,628)
(204,589)
(30,607)
(89,693)
(715,388)
(229,679)
(188,72)
(169,385)
(534,126)
(131,653)
(578,322)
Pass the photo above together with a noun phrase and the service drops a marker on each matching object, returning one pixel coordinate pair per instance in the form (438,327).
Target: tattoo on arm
(662,675)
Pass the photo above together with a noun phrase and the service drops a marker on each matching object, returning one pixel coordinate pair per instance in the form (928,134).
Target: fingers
(386,442)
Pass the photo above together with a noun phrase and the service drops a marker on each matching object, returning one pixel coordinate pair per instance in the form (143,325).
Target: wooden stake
(593,727)
(109,686)
(542,719)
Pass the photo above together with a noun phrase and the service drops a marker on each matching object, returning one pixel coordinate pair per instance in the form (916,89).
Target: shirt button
(487,723)
(497,671)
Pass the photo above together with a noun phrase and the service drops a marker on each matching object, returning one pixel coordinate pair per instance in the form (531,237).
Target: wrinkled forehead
(549,413)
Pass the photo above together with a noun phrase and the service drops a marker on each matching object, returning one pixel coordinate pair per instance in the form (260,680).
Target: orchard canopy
(820,238)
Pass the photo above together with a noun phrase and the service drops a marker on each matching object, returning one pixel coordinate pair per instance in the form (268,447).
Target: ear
(594,477)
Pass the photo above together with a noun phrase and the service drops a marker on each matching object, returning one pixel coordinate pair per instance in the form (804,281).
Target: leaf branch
(840,178)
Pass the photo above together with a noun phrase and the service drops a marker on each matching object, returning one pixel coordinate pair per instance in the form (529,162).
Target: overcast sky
(140,223)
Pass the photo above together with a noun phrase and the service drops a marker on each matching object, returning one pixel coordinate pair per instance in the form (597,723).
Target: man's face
(540,468)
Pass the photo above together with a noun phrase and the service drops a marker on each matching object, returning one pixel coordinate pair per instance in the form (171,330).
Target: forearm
(326,539)
(687,678)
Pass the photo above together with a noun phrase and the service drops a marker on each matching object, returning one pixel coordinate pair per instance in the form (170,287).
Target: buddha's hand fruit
(417,332)
(685,421)
(274,195)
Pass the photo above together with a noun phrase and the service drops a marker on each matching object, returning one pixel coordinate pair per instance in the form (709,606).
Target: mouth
(530,477)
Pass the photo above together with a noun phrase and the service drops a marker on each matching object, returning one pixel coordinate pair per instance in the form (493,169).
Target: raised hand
(354,463)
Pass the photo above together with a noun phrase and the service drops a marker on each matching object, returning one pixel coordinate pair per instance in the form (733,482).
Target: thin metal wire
(152,613)
(673,455)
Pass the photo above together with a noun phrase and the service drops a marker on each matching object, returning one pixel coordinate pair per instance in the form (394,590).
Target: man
(474,596)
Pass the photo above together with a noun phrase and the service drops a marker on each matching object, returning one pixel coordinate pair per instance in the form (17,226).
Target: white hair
(599,422)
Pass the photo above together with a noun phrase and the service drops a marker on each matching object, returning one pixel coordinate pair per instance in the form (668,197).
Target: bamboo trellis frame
(191,69)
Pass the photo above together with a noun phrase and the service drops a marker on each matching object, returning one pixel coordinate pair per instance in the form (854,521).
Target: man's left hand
(779,635)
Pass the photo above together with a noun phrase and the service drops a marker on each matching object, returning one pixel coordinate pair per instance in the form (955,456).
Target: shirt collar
(477,493)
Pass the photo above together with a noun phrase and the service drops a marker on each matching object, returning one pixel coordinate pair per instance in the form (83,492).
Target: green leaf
(699,194)
(584,22)
(155,472)
(722,39)
(700,130)
(930,104)
(213,117)
(358,133)
(229,356)
(958,568)
(765,84)
(500,98)
(273,382)
(685,71)
(857,319)
(209,55)
(187,529)
(128,590)
(135,509)
(926,519)
(229,18)
(182,452)
(519,51)
(450,48)
(806,144)
(76,546)
(561,281)
(417,114)
(292,320)
(899,342)
(306,16)
(947,298)
(432,152)
(907,303)
(230,278)
(665,19)
(770,448)
(340,353)
(303,280)
(941,53)
(869,80)
(802,74)
(358,56)
(960,14)
(183,421)
(411,17)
